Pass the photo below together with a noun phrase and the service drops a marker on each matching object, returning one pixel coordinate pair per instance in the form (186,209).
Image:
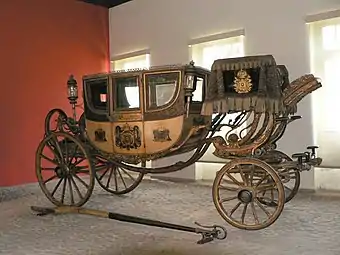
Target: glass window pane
(127,92)
(162,88)
(198,93)
(98,93)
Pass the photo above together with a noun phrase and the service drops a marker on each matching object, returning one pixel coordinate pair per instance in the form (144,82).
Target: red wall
(42,42)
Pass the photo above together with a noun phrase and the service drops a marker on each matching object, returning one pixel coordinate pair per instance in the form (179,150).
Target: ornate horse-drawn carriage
(134,116)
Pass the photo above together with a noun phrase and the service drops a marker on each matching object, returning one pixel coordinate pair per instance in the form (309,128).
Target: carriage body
(145,114)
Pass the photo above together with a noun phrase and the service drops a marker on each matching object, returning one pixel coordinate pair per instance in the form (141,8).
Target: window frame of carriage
(143,88)
(87,93)
(114,95)
(148,97)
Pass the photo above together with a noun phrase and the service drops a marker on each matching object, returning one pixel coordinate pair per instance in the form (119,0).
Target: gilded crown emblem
(243,83)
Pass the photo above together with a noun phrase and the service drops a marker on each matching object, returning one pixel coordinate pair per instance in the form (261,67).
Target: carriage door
(127,118)
(163,117)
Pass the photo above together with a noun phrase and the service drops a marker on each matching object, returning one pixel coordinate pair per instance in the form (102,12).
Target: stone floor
(310,224)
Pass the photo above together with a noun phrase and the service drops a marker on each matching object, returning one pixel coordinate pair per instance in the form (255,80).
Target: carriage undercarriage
(256,181)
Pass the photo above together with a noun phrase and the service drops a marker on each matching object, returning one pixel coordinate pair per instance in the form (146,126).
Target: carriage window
(161,88)
(198,93)
(98,93)
(127,92)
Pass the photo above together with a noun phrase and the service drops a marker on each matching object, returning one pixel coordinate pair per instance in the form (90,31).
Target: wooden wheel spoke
(265,187)
(57,186)
(78,161)
(50,179)
(223,200)
(256,218)
(235,208)
(48,168)
(80,180)
(110,176)
(82,169)
(287,188)
(262,180)
(234,180)
(52,148)
(228,188)
(76,187)
(128,174)
(251,176)
(244,178)
(121,177)
(49,159)
(244,212)
(64,190)
(105,172)
(266,199)
(71,190)
(57,146)
(66,151)
(100,168)
(262,207)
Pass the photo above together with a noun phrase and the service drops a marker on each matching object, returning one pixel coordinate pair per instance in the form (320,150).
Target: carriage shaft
(116,216)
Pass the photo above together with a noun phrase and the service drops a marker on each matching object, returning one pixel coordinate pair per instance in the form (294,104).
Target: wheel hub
(59,172)
(245,196)
(62,171)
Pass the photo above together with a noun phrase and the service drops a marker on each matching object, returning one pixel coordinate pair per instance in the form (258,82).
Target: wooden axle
(209,233)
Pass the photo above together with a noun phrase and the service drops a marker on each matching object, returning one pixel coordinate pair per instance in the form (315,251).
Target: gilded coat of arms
(243,83)
(161,135)
(127,137)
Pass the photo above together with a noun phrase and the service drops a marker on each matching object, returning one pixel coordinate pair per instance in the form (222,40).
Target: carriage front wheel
(64,171)
(238,189)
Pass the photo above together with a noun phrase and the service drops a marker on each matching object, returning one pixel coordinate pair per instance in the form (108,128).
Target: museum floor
(310,224)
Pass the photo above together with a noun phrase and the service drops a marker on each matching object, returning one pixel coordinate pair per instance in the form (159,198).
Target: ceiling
(106,3)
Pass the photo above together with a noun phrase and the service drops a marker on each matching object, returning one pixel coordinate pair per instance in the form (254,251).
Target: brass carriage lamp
(72,94)
(190,73)
(72,90)
(190,84)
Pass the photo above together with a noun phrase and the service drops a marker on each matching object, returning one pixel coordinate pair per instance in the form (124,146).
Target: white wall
(271,27)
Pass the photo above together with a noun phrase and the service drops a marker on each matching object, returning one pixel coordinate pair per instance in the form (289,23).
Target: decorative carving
(243,83)
(233,140)
(99,135)
(161,135)
(128,137)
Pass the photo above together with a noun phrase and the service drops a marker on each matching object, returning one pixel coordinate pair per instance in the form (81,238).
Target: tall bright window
(131,62)
(325,64)
(204,54)
(139,61)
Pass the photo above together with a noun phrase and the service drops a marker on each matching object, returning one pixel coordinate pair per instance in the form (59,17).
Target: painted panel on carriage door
(42,43)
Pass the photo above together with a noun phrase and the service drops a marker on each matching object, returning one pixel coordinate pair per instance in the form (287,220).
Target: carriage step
(208,233)
(295,117)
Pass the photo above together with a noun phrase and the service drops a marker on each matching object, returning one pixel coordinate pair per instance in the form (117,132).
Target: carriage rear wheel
(290,178)
(64,170)
(114,179)
(238,189)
